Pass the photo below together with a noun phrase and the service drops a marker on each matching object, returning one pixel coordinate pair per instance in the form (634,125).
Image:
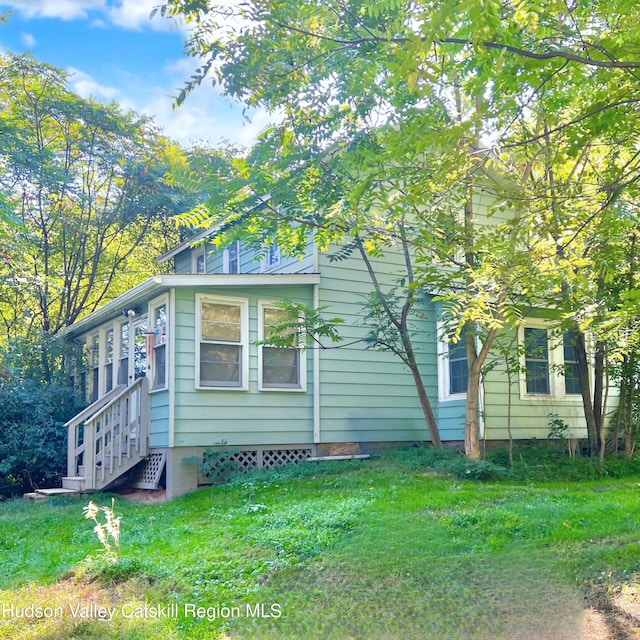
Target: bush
(33,438)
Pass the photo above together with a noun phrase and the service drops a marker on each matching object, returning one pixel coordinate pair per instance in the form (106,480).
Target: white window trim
(195,254)
(302,357)
(244,339)
(444,393)
(265,266)
(153,305)
(225,258)
(556,362)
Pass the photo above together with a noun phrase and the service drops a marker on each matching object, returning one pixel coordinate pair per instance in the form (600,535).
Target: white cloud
(28,40)
(64,9)
(86,87)
(128,14)
(134,14)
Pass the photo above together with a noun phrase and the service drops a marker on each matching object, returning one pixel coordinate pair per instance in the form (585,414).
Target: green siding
(529,415)
(159,418)
(368,395)
(182,262)
(208,417)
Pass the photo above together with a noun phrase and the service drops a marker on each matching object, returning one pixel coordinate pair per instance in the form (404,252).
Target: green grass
(379,549)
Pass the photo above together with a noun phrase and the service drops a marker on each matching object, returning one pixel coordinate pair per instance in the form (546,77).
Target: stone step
(73,483)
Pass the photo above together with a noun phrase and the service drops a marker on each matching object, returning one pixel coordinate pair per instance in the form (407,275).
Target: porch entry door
(140,355)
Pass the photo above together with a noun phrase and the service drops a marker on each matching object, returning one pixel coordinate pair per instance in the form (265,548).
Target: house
(174,367)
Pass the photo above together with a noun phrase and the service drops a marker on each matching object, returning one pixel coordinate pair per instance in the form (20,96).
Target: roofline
(185,244)
(157,284)
(189,242)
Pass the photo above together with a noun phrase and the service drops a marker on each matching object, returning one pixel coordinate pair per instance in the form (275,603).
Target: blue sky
(113,51)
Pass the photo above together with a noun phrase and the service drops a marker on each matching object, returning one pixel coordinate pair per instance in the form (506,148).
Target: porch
(108,438)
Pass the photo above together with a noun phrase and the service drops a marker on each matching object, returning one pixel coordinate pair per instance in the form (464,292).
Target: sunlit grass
(374,549)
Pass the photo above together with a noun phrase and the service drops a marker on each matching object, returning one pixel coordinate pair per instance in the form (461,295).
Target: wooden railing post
(90,454)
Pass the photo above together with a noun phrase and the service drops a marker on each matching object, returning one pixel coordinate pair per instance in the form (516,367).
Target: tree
(85,184)
(428,100)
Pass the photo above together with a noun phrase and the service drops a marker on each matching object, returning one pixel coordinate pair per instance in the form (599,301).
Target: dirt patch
(144,496)
(616,610)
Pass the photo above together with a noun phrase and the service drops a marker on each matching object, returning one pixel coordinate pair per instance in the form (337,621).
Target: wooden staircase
(108,438)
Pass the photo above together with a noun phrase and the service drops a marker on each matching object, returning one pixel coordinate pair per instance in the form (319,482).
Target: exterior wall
(205,417)
(182,262)
(530,416)
(368,395)
(159,419)
(249,261)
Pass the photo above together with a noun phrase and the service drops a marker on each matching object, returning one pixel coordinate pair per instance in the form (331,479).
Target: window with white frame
(199,260)
(231,258)
(108,365)
(280,368)
(93,358)
(536,360)
(123,354)
(549,362)
(570,370)
(272,257)
(221,342)
(159,344)
(453,368)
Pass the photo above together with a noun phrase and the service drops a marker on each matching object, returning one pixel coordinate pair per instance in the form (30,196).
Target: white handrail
(114,434)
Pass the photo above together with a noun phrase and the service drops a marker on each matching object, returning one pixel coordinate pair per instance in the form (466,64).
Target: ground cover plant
(405,546)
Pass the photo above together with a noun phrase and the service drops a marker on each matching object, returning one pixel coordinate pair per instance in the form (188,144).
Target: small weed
(108,532)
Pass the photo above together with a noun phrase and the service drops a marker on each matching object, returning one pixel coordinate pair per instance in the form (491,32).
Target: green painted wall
(529,415)
(208,417)
(159,419)
(369,395)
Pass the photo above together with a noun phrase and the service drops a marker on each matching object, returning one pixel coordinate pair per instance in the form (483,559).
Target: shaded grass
(377,549)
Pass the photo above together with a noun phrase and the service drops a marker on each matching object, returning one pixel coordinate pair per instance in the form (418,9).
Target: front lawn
(377,549)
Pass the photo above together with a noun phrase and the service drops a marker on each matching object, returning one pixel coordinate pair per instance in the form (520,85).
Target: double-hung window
(453,368)
(280,368)
(536,360)
(221,342)
(570,370)
(549,362)
(458,367)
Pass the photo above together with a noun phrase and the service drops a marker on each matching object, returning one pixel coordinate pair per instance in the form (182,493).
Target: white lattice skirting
(261,459)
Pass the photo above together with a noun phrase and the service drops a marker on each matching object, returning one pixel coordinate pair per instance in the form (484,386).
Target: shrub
(32,433)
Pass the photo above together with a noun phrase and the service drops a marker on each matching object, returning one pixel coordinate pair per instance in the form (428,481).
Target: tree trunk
(430,417)
(585,390)
(598,392)
(472,447)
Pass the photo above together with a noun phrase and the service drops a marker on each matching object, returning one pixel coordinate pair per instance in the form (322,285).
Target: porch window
(159,344)
(570,369)
(123,356)
(279,367)
(94,367)
(536,350)
(108,366)
(231,258)
(222,342)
